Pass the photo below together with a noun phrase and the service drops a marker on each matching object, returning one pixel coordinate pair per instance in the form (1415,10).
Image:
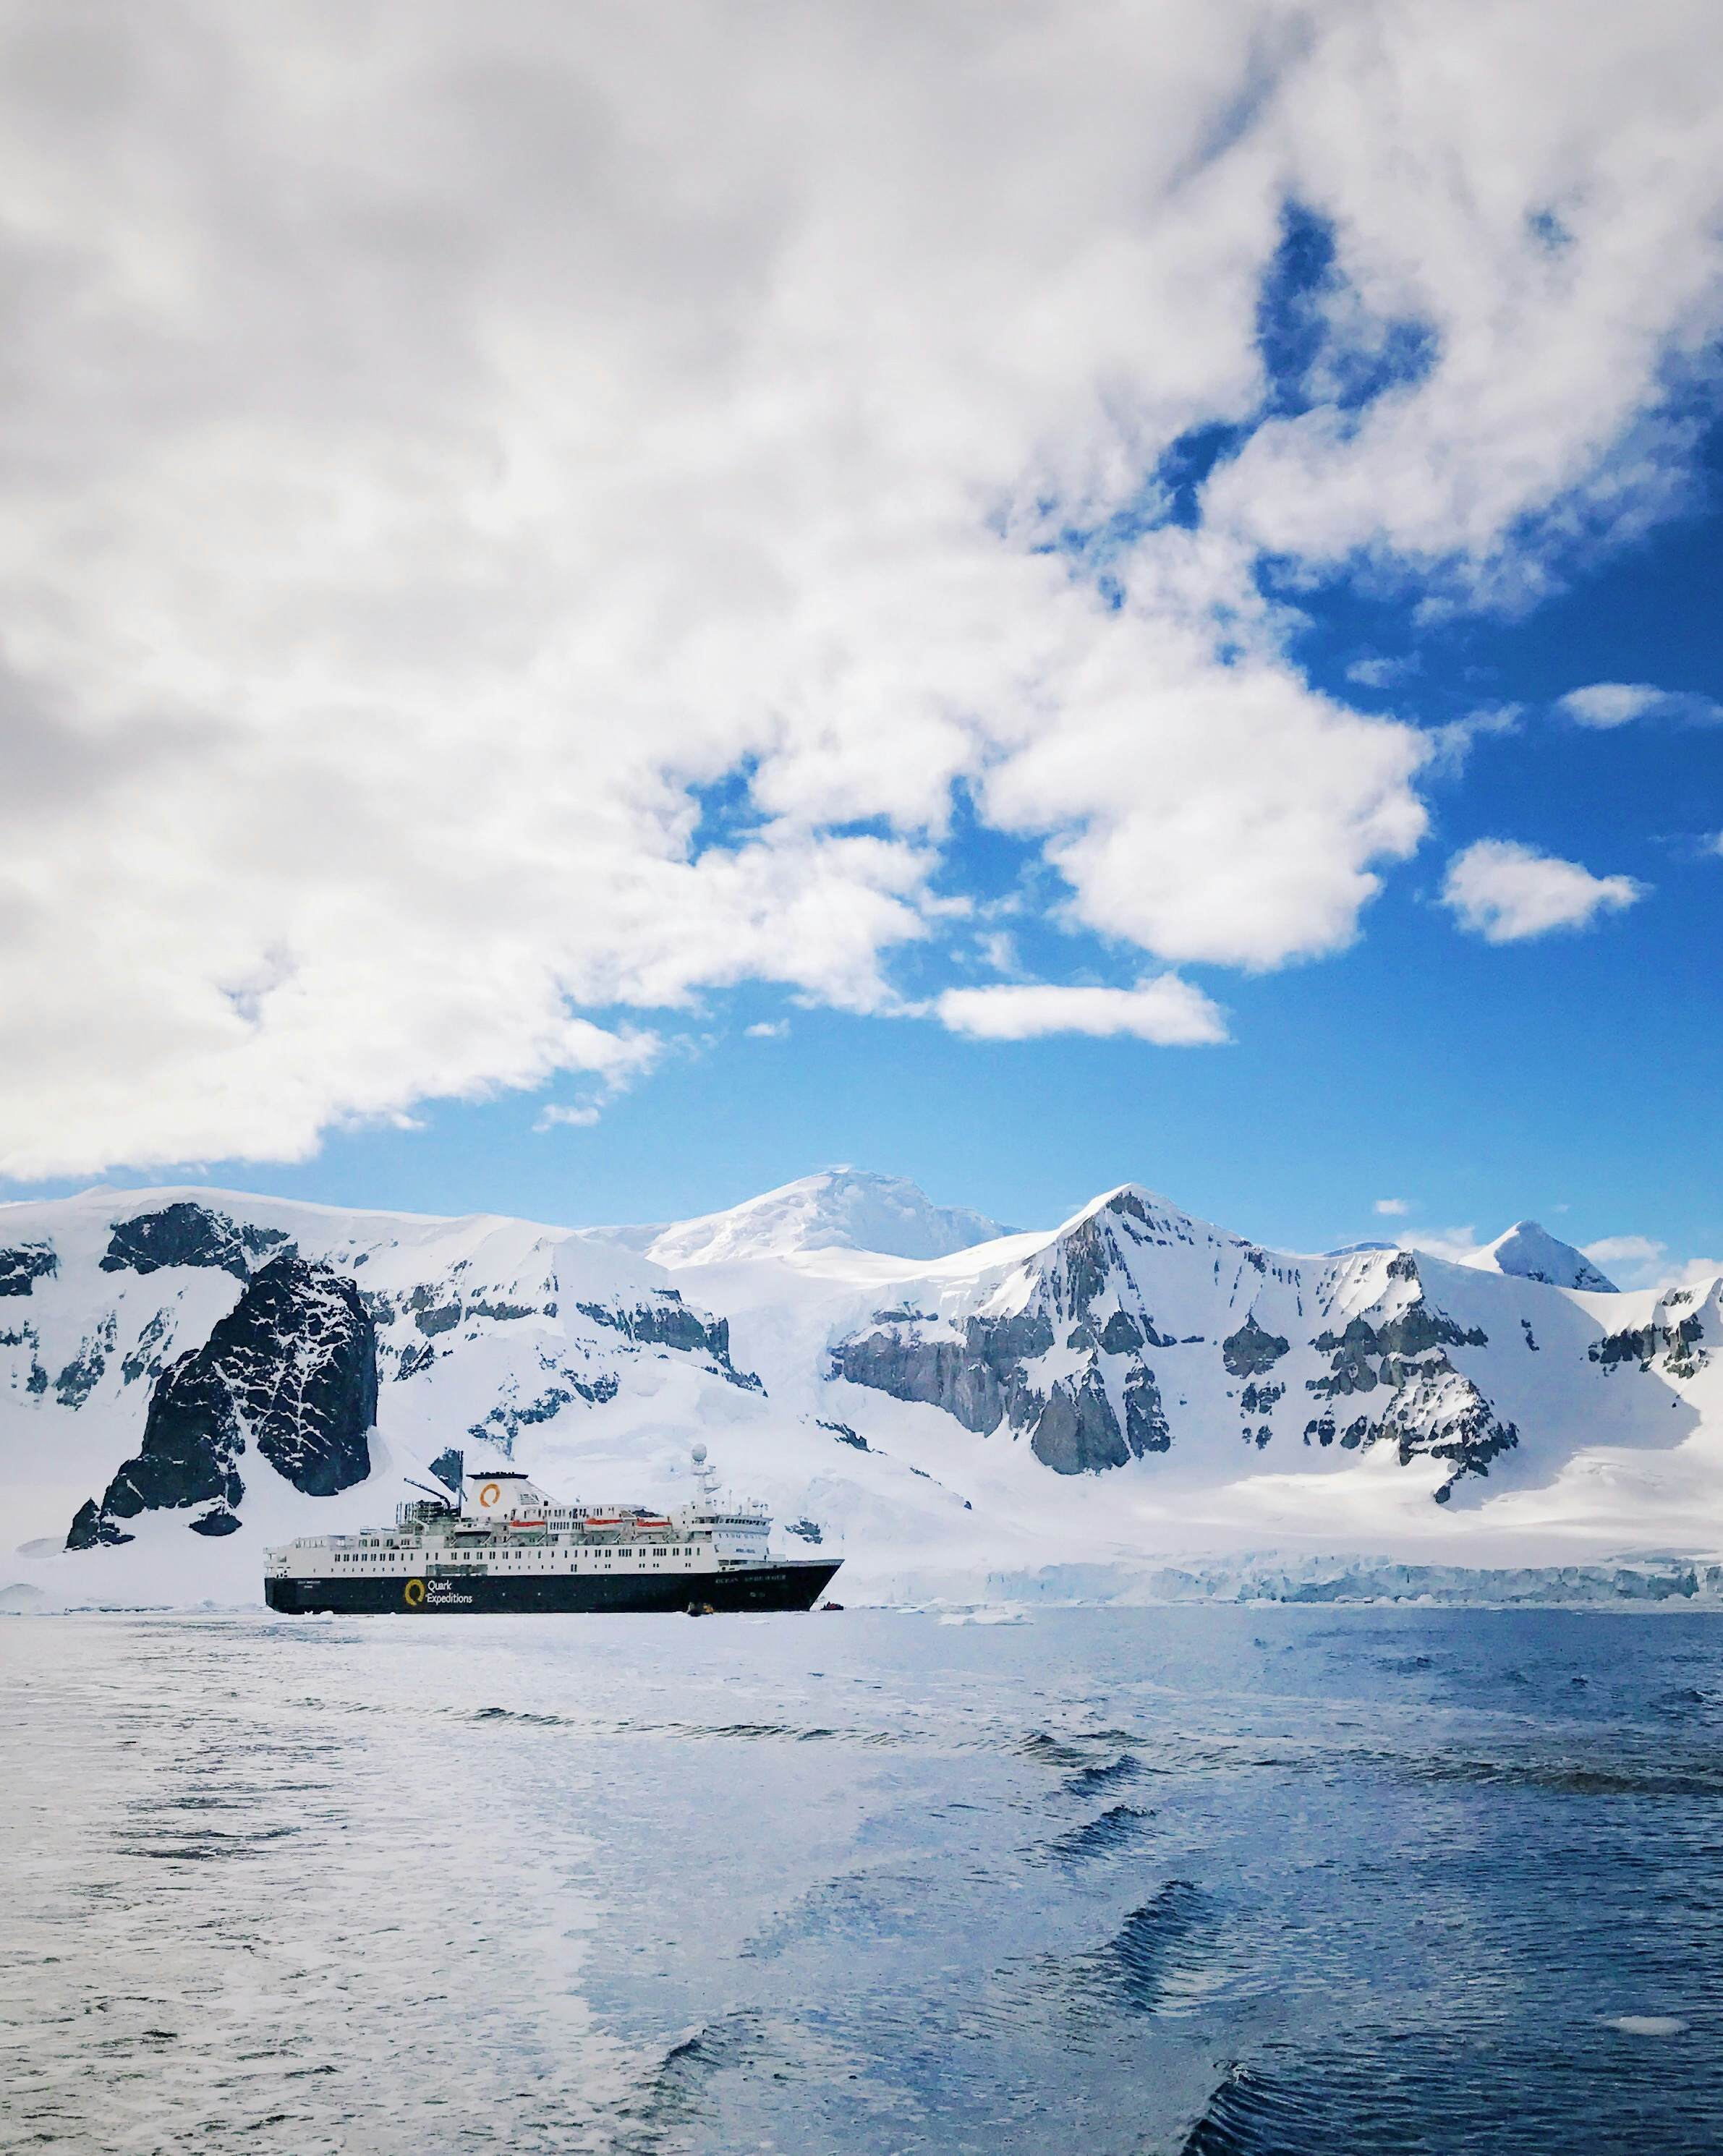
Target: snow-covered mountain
(1531,1252)
(840,1208)
(186,1375)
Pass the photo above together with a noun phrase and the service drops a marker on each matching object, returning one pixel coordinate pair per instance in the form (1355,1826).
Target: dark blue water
(1261,1882)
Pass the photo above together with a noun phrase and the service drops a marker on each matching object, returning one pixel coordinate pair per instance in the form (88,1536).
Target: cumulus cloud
(557,1118)
(1166,1010)
(1630,1260)
(441,461)
(1456,1244)
(766,1030)
(1640,1261)
(1610,703)
(1377,673)
(1393,1208)
(1506,892)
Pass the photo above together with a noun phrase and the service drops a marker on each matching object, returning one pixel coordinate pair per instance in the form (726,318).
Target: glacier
(1135,1404)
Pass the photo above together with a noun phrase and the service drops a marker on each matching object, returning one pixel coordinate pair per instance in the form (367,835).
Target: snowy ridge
(1531,1252)
(1134,1386)
(840,1208)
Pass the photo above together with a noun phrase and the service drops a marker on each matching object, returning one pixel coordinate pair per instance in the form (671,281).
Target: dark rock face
(303,1351)
(416,1358)
(1146,1428)
(449,1466)
(1434,1413)
(979,1378)
(1108,1409)
(1415,1331)
(667,1321)
(87,1367)
(505,1421)
(185,1234)
(1678,1343)
(845,1435)
(150,1354)
(984,1376)
(1250,1350)
(191,1443)
(21,1269)
(92,1529)
(441,1318)
(291,1368)
(983,1380)
(1077,1431)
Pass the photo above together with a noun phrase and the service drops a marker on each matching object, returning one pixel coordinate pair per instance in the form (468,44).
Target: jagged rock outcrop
(185,1234)
(1251,1351)
(1069,1366)
(21,1269)
(667,1321)
(979,1378)
(292,1370)
(1101,1413)
(1677,1340)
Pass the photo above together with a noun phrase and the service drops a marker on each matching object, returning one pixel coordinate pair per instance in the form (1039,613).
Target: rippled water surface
(1320,1882)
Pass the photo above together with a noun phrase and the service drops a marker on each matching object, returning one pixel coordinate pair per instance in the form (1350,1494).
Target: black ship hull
(796,1585)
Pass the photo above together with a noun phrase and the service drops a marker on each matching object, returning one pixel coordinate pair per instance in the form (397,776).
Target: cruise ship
(501,1543)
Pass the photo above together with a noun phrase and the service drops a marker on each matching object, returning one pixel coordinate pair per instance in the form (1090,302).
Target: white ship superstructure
(505,1543)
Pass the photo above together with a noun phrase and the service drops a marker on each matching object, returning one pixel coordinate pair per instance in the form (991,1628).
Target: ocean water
(1234,1882)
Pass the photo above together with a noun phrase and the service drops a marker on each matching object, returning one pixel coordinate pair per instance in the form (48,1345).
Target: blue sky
(611,647)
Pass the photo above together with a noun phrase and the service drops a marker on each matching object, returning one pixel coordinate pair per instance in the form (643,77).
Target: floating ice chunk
(1645,2025)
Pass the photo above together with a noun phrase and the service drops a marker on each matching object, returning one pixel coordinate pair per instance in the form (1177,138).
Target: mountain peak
(841,1208)
(1531,1252)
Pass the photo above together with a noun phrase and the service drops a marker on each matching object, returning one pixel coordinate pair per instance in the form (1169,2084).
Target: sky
(602,607)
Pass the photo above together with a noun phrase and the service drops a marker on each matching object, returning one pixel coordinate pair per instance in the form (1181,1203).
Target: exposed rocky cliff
(291,1371)
(1075,1349)
(187,1234)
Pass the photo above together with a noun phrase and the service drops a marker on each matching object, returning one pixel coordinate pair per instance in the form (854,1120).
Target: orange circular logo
(489,1494)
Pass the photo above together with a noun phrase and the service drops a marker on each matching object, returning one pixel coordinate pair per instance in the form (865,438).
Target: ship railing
(421,1511)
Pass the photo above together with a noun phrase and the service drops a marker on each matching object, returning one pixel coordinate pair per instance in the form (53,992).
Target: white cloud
(1456,1244)
(1452,744)
(1610,703)
(1381,673)
(435,458)
(1166,1010)
(766,1030)
(1630,1260)
(1634,1262)
(1393,1208)
(555,1117)
(998,949)
(1607,704)
(1506,892)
